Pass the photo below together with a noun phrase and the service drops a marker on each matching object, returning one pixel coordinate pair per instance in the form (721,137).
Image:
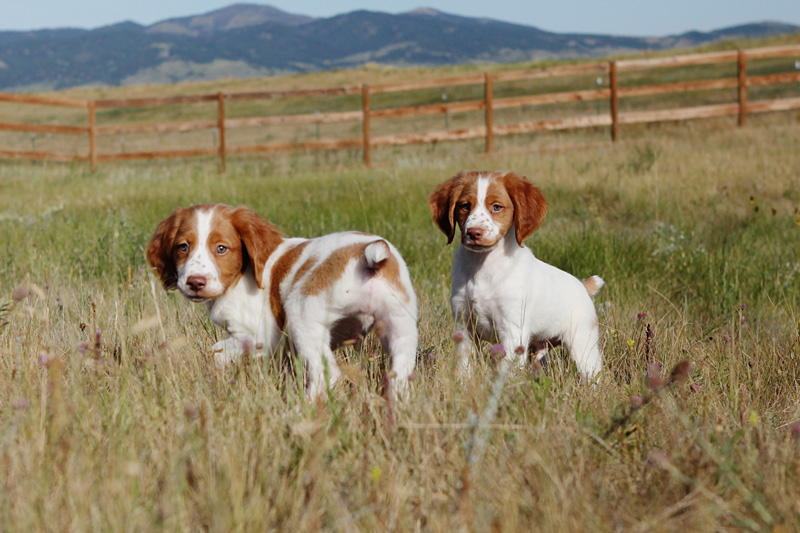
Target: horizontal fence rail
(221,126)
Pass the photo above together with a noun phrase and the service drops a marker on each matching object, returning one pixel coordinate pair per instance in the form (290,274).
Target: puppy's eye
(464,207)
(221,249)
(497,208)
(183,247)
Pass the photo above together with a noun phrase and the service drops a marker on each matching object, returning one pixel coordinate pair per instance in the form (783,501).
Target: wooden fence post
(365,122)
(612,82)
(92,136)
(221,126)
(742,77)
(489,112)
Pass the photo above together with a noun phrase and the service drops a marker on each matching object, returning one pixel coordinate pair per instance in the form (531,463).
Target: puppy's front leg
(231,349)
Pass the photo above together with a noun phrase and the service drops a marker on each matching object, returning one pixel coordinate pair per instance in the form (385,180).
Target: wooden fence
(612,94)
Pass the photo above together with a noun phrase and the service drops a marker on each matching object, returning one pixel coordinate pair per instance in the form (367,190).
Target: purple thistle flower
(653,377)
(19,294)
(497,351)
(636,402)
(742,306)
(742,319)
(458,336)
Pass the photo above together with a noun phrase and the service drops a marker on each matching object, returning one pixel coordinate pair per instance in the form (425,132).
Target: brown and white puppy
(319,292)
(501,292)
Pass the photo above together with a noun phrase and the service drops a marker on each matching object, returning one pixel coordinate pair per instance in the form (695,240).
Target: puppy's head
(203,250)
(485,205)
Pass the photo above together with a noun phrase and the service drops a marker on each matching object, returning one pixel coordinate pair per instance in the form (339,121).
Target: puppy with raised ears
(319,293)
(501,292)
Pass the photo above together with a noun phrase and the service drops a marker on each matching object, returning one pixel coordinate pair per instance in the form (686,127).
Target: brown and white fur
(501,292)
(320,293)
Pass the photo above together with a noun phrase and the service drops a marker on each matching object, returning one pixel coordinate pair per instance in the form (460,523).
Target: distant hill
(245,40)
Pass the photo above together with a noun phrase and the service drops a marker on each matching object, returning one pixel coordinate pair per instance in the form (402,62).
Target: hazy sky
(617,17)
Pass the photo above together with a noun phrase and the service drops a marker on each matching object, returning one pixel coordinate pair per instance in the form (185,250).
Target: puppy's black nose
(196,283)
(475,233)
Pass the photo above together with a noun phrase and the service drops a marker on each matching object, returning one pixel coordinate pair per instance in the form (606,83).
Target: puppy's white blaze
(480,216)
(376,253)
(200,262)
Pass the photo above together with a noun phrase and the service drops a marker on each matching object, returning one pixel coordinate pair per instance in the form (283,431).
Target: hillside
(246,40)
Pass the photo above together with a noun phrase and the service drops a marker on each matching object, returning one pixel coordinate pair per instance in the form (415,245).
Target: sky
(611,17)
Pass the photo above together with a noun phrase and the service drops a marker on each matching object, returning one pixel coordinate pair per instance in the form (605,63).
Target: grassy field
(113,417)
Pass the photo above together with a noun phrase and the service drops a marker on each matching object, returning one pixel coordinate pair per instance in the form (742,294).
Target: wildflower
(247,346)
(742,319)
(497,351)
(636,402)
(83,347)
(232,381)
(742,306)
(794,428)
(658,458)
(19,294)
(44,359)
(458,336)
(642,315)
(694,387)
(653,377)
(20,403)
(726,338)
(680,372)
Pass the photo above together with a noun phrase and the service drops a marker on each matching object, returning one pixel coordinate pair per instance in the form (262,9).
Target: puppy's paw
(227,351)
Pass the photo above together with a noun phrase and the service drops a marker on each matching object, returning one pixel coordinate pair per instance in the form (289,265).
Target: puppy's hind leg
(399,337)
(313,344)
(584,348)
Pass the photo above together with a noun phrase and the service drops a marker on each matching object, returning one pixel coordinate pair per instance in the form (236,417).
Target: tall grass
(114,418)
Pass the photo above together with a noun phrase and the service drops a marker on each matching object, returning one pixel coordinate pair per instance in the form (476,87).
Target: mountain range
(250,40)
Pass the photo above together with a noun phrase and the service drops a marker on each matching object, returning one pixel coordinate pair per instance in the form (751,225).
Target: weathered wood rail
(366,115)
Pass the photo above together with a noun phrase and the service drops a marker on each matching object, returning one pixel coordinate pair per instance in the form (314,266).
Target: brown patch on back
(332,268)
(390,271)
(280,270)
(305,267)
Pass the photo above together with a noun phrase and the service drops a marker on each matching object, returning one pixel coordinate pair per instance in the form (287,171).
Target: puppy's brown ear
(442,204)
(159,250)
(530,206)
(260,238)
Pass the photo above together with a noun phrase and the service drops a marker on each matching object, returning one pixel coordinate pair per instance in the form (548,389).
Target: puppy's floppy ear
(530,206)
(159,250)
(260,238)
(442,204)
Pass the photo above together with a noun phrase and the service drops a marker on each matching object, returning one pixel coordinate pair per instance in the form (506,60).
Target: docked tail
(376,253)
(593,284)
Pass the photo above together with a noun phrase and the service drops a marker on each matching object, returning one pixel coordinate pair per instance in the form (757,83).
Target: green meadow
(114,418)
